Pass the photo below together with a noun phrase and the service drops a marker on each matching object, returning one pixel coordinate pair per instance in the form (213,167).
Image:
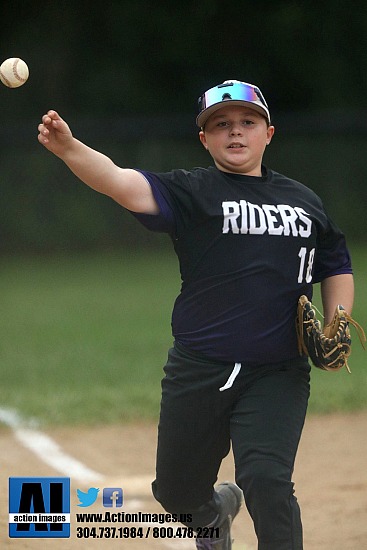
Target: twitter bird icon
(88,498)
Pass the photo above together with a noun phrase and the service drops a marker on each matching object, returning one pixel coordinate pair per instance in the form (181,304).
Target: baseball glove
(330,347)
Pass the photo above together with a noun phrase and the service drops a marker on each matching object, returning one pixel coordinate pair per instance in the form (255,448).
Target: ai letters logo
(39,507)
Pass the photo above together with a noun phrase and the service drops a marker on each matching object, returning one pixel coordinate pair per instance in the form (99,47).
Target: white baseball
(14,72)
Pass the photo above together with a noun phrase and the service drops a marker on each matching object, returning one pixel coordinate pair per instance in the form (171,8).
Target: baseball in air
(14,72)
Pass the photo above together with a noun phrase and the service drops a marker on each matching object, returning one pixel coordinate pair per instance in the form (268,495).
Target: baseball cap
(235,92)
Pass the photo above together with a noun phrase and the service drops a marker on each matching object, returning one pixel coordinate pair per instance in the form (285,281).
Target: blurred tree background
(127,75)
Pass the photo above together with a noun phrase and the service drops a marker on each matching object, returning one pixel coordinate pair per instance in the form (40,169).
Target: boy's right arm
(126,186)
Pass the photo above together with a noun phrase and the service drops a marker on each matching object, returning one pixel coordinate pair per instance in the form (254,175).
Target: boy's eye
(225,123)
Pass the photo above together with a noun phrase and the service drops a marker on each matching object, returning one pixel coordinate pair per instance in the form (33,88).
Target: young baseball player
(249,242)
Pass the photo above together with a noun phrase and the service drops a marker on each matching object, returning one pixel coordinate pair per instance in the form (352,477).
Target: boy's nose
(236,129)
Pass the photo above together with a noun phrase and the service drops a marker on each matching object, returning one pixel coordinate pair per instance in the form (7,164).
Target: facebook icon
(112,496)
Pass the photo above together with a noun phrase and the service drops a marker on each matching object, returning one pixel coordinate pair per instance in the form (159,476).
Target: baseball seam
(4,79)
(15,72)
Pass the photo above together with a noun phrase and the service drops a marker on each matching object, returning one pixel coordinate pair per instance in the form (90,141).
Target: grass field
(84,338)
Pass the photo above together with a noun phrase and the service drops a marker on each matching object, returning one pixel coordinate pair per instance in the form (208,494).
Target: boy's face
(236,138)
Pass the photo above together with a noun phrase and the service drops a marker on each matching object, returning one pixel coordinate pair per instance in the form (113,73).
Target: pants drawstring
(232,377)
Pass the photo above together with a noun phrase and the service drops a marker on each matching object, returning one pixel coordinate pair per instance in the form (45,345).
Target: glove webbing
(341,319)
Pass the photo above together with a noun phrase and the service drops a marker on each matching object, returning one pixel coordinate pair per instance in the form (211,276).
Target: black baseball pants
(207,407)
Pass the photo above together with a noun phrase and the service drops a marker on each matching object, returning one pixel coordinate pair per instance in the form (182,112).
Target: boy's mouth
(235,146)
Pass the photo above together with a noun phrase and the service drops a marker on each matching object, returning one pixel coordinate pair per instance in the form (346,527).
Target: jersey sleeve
(172,192)
(332,256)
(164,221)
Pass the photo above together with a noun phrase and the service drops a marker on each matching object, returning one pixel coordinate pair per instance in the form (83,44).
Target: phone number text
(145,532)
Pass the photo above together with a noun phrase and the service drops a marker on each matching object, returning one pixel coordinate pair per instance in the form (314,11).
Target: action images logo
(39,507)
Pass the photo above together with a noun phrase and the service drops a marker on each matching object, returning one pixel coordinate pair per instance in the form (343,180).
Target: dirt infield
(330,481)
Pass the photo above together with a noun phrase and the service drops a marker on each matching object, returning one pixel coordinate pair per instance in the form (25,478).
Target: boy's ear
(270,133)
(203,139)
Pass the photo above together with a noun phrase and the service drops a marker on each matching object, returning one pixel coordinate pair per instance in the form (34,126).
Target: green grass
(83,339)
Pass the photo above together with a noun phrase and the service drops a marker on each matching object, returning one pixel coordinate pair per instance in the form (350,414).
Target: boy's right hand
(54,133)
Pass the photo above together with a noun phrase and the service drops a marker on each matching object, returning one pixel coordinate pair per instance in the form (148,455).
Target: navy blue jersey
(248,247)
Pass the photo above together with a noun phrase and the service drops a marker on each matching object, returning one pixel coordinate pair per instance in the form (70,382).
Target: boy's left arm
(335,290)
